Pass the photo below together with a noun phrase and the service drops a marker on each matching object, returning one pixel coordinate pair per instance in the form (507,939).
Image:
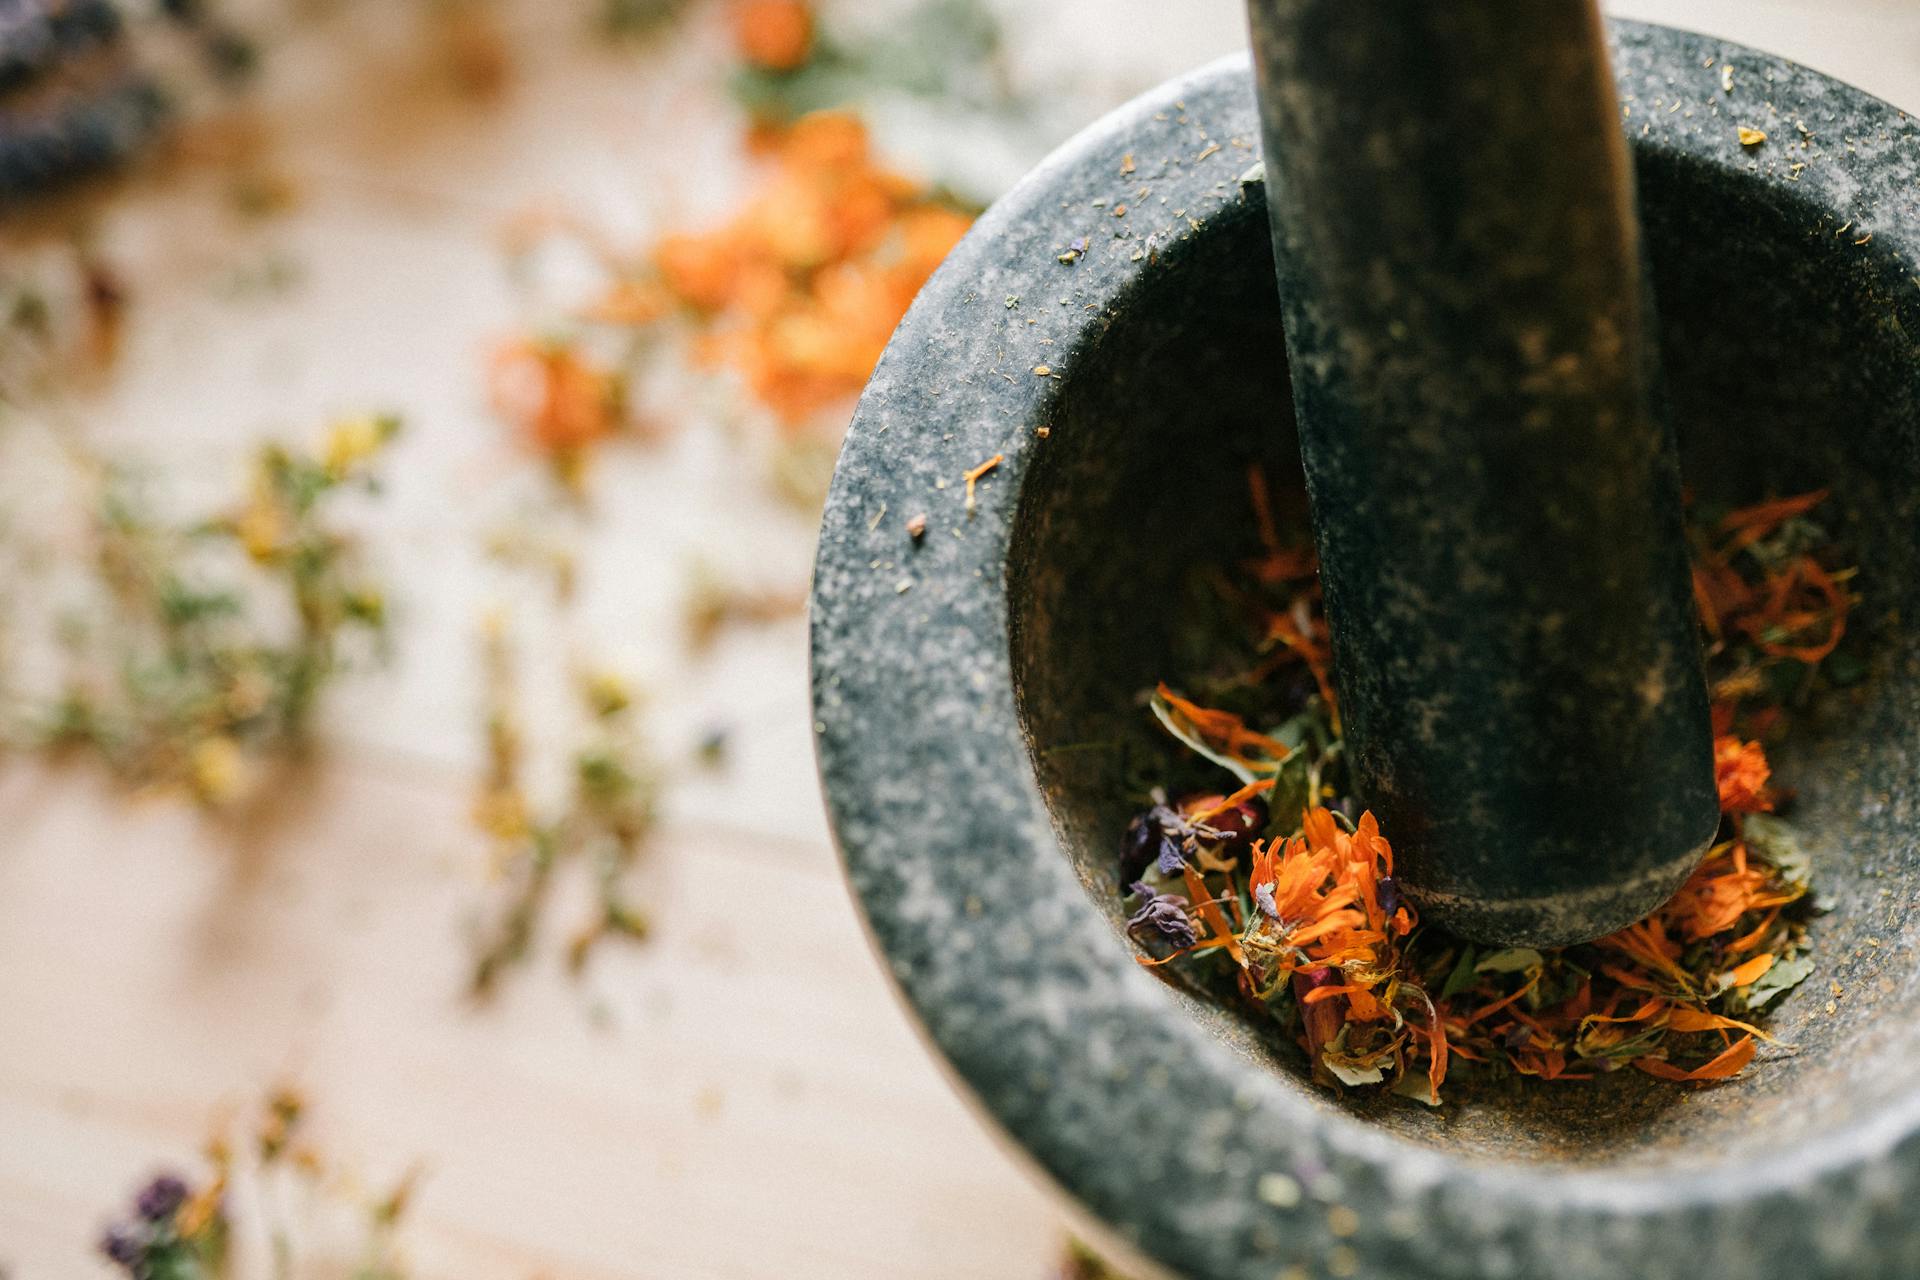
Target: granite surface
(1116,361)
(1496,498)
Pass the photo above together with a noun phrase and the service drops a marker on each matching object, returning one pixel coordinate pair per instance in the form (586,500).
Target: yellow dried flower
(261,525)
(352,441)
(218,769)
(201,1213)
(607,694)
(502,814)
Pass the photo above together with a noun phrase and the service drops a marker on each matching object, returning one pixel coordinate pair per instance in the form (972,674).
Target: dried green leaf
(1786,974)
(1774,839)
(1512,960)
(1462,975)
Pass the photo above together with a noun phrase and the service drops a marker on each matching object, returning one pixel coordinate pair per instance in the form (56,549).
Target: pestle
(1494,489)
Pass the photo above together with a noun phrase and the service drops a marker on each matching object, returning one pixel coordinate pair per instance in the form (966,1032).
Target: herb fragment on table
(713,603)
(974,475)
(773,35)
(62,313)
(1281,889)
(947,52)
(559,399)
(603,823)
(204,648)
(1080,1262)
(623,19)
(181,1229)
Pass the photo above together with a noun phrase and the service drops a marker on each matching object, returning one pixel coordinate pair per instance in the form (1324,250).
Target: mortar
(963,686)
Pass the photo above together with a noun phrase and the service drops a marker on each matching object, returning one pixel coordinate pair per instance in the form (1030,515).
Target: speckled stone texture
(970,691)
(1496,499)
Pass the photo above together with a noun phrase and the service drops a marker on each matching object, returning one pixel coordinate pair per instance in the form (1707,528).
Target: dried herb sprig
(1312,931)
(181,1230)
(174,1232)
(604,822)
(714,602)
(947,51)
(62,312)
(1079,1262)
(205,646)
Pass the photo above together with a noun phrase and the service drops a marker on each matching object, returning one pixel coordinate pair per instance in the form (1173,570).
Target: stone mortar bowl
(970,689)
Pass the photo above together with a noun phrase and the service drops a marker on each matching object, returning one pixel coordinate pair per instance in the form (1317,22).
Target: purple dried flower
(1165,837)
(1311,979)
(159,1199)
(1387,893)
(1263,898)
(1171,859)
(1165,913)
(1151,838)
(123,1245)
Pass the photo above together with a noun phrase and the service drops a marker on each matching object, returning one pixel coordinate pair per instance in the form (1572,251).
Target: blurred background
(411,836)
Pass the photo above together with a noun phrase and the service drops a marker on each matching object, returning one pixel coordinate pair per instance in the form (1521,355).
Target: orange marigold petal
(1729,1063)
(1750,972)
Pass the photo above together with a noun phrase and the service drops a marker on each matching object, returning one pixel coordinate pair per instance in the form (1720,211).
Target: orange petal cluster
(799,292)
(1323,882)
(1740,771)
(1337,943)
(1796,610)
(1326,929)
(1725,888)
(774,35)
(559,399)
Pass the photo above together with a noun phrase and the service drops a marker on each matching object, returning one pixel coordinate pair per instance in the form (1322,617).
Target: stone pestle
(1496,500)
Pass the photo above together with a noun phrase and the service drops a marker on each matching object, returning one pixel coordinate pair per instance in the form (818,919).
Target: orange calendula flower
(1319,898)
(798,293)
(1722,891)
(775,35)
(1327,924)
(1741,772)
(559,400)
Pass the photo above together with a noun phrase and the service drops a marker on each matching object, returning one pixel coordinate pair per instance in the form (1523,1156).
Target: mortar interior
(1787,369)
